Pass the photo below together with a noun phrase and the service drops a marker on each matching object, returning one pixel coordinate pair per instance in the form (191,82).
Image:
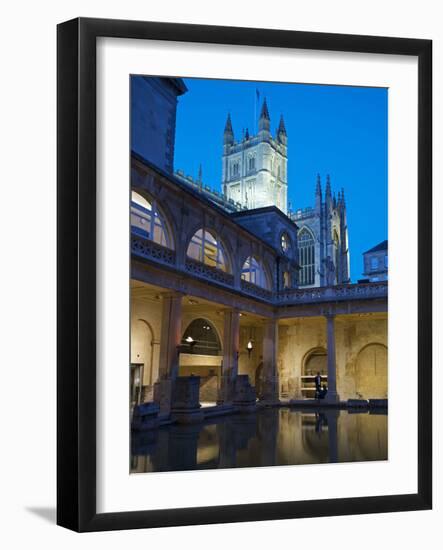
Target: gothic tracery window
(148,221)
(254,272)
(306,249)
(206,248)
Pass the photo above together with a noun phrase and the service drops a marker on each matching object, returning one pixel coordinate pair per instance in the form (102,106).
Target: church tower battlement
(254,171)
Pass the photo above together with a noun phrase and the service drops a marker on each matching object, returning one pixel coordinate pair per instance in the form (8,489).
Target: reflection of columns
(226,442)
(183,447)
(170,339)
(270,354)
(332,417)
(231,342)
(332,395)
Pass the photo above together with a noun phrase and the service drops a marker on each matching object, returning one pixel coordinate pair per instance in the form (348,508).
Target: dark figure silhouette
(322,392)
(317,381)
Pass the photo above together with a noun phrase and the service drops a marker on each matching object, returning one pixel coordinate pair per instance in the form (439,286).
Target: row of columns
(170,341)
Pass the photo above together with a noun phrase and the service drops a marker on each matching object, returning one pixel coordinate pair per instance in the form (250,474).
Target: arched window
(201,338)
(306,251)
(148,221)
(285,243)
(206,248)
(337,257)
(251,163)
(254,272)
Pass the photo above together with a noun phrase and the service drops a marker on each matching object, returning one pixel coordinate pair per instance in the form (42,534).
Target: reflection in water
(271,437)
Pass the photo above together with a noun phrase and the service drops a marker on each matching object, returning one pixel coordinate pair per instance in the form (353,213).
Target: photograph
(258,274)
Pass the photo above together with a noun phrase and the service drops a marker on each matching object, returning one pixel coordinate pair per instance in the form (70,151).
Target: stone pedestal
(244,394)
(186,408)
(145,416)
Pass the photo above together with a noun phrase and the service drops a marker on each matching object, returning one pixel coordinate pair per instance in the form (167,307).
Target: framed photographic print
(233,343)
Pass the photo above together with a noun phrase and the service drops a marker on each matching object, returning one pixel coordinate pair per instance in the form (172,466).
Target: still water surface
(270,437)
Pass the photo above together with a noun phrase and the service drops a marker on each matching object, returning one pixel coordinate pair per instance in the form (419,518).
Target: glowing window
(306,251)
(285,243)
(147,220)
(254,273)
(206,248)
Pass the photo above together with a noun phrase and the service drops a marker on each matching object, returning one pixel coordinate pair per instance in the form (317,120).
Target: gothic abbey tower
(255,168)
(254,175)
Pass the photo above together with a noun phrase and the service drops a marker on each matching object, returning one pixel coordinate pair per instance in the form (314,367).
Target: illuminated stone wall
(361,343)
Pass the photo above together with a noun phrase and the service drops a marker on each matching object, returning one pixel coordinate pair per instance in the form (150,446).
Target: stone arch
(210,339)
(371,371)
(263,266)
(224,246)
(202,356)
(315,360)
(164,212)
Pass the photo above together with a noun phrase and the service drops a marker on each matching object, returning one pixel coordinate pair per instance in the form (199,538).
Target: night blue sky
(336,130)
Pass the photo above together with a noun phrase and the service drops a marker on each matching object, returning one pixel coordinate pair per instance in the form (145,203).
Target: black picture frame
(76,264)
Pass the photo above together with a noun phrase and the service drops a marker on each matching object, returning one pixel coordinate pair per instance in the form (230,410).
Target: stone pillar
(170,339)
(331,396)
(270,391)
(231,343)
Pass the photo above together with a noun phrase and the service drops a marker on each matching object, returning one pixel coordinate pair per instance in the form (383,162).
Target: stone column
(331,396)
(170,339)
(231,343)
(270,355)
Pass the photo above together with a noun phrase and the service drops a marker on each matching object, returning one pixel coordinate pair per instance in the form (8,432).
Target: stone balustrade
(150,250)
(207,272)
(333,293)
(257,291)
(146,248)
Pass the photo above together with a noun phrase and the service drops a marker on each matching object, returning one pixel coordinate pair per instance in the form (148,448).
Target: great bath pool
(269,437)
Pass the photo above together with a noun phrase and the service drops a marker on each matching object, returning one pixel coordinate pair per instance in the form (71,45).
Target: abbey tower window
(306,250)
